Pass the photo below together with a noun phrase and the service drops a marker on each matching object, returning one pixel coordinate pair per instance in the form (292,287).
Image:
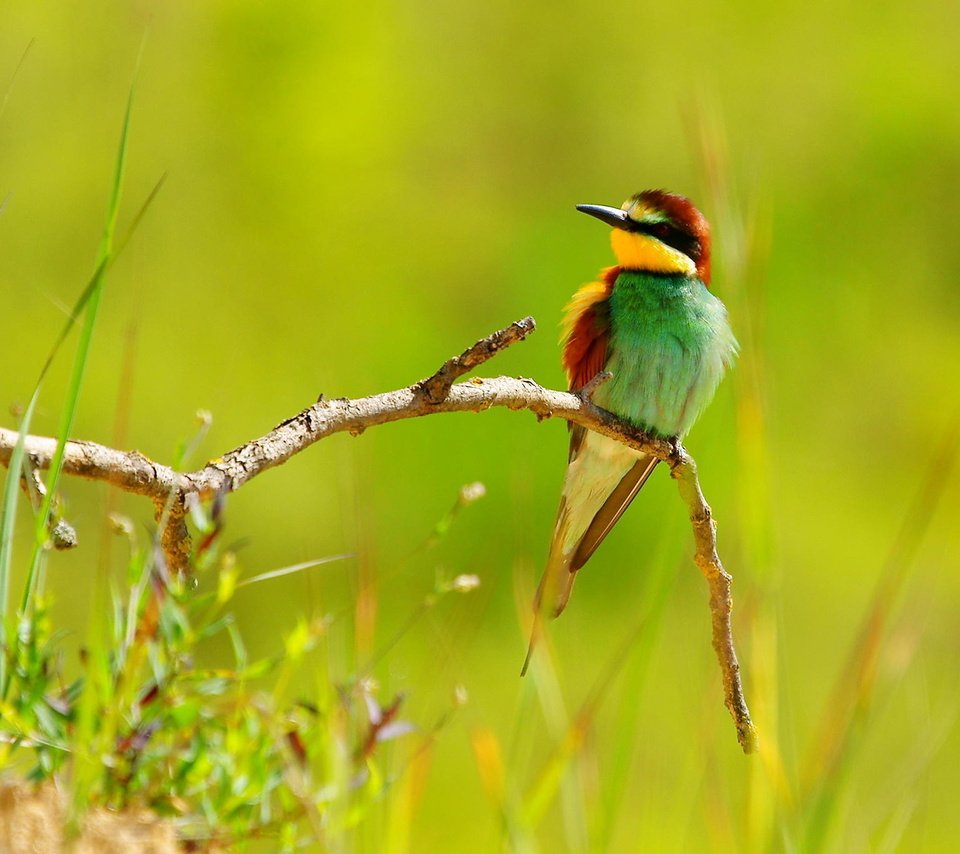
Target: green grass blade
(655,595)
(104,259)
(8,513)
(294,568)
(13,77)
(830,759)
(138,217)
(92,295)
(11,492)
(543,792)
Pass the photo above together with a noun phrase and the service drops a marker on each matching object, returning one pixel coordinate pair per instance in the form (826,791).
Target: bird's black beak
(611,216)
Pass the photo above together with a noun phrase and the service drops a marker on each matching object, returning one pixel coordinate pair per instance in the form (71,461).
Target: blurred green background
(356,192)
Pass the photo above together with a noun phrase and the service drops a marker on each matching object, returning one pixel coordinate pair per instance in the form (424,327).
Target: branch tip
(598,379)
(435,389)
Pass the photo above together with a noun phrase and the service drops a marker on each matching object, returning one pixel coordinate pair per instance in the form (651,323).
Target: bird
(653,323)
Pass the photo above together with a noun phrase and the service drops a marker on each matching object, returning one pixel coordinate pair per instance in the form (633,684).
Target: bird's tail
(553,591)
(577,534)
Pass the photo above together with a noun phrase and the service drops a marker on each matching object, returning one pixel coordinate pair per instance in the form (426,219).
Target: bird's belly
(662,382)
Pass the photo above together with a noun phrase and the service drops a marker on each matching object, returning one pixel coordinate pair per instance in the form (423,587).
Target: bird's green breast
(669,345)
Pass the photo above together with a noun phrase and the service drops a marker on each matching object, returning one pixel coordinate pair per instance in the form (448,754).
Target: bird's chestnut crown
(671,220)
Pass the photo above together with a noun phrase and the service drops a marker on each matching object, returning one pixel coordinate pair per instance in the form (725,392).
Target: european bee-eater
(651,321)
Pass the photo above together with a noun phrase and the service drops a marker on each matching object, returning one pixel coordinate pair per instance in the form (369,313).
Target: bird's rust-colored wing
(586,329)
(586,332)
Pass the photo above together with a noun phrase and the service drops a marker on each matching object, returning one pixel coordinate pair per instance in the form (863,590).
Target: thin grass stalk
(829,761)
(8,514)
(104,256)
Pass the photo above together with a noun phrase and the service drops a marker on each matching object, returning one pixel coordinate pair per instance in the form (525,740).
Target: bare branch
(131,471)
(684,470)
(169,489)
(436,388)
(342,415)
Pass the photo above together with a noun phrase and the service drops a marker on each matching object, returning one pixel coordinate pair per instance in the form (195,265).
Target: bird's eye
(661,230)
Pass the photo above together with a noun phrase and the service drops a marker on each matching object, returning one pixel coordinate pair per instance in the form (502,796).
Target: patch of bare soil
(32,819)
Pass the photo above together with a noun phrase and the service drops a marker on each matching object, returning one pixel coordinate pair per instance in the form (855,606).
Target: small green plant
(227,753)
(222,751)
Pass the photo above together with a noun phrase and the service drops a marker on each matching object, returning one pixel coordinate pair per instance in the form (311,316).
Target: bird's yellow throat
(636,251)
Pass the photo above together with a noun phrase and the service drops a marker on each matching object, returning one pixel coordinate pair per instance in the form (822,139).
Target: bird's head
(659,232)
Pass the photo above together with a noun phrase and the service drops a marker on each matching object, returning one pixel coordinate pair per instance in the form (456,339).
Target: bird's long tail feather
(566,558)
(555,584)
